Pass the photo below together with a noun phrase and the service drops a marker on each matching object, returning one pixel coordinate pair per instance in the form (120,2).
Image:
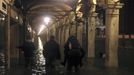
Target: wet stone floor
(87,69)
(60,70)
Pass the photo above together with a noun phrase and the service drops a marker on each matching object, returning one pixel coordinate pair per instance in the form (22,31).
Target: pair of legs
(28,62)
(73,62)
(50,62)
(70,66)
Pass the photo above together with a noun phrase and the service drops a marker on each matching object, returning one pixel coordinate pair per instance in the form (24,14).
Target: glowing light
(2,19)
(40,46)
(46,20)
(115,0)
(78,7)
(29,29)
(17,17)
(79,14)
(41,28)
(79,1)
(94,2)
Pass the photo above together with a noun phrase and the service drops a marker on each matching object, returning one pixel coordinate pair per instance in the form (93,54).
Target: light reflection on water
(40,49)
(39,68)
(39,59)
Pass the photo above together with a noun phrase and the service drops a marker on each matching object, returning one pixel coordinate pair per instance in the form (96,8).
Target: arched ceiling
(35,10)
(56,9)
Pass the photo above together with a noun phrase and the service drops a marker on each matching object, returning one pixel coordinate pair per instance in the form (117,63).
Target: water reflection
(39,61)
(2,63)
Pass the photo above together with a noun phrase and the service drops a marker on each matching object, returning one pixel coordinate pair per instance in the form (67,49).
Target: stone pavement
(85,70)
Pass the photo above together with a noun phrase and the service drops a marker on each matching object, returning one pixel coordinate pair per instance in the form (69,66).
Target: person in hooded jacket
(73,54)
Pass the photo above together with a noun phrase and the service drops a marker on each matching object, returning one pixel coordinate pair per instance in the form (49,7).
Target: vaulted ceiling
(54,8)
(37,9)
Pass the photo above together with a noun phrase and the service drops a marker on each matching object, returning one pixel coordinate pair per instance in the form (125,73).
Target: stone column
(7,37)
(63,36)
(57,32)
(112,31)
(62,41)
(91,35)
(66,32)
(54,31)
(70,26)
(48,33)
(59,35)
(79,32)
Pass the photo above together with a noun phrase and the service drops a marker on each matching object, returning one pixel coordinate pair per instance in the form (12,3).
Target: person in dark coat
(28,47)
(51,52)
(73,53)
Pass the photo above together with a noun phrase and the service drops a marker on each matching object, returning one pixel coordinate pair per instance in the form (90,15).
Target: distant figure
(73,54)
(28,47)
(51,52)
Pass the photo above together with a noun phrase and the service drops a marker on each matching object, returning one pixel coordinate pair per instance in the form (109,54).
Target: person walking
(51,52)
(28,48)
(73,54)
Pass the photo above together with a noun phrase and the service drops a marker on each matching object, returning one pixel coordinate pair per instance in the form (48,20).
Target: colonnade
(67,26)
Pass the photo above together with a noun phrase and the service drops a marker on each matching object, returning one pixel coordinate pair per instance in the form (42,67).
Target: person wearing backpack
(72,54)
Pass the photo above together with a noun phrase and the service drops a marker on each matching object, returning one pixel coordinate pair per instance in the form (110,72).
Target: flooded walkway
(39,69)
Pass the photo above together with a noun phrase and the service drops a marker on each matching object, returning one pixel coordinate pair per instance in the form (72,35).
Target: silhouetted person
(73,54)
(51,52)
(28,47)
